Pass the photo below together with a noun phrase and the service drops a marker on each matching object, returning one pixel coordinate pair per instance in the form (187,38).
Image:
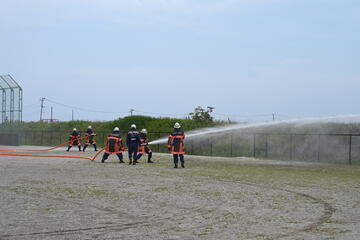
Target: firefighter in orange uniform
(176,145)
(144,146)
(114,145)
(90,138)
(74,140)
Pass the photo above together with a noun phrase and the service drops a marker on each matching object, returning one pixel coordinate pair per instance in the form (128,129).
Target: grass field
(212,198)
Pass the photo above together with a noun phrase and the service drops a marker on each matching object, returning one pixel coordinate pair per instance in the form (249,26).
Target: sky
(246,58)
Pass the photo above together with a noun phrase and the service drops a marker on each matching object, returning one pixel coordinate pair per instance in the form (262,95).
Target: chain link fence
(336,148)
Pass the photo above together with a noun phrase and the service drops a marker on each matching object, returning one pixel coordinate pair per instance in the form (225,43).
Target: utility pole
(51,115)
(273,115)
(41,108)
(72,115)
(131,111)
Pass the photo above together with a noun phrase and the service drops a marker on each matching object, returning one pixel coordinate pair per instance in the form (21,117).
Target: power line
(161,114)
(132,111)
(243,116)
(30,105)
(82,109)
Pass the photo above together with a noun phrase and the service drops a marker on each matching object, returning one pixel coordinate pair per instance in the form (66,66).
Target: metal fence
(11,100)
(53,138)
(337,148)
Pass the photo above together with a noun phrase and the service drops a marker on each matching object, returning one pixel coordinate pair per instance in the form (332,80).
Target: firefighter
(90,138)
(176,145)
(133,142)
(144,146)
(74,139)
(114,145)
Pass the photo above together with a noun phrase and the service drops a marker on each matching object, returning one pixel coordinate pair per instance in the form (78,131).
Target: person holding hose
(133,141)
(74,139)
(176,145)
(114,145)
(144,146)
(90,138)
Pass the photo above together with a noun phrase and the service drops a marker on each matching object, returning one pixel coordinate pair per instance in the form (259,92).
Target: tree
(202,115)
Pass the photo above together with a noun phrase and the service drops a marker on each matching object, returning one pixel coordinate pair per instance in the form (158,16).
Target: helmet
(133,126)
(89,127)
(116,129)
(177,125)
(144,131)
(74,129)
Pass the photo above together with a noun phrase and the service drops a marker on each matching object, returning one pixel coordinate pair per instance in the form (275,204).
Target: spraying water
(209,131)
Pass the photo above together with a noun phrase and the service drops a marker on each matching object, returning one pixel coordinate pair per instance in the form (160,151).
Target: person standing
(144,146)
(90,138)
(74,140)
(133,142)
(113,145)
(176,145)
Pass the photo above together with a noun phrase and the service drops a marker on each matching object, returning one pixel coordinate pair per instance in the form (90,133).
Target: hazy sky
(244,57)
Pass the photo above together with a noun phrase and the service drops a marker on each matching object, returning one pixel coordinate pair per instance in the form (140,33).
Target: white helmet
(116,129)
(89,127)
(133,126)
(74,129)
(144,131)
(177,125)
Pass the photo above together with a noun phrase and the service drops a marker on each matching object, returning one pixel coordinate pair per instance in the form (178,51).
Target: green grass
(302,175)
(325,175)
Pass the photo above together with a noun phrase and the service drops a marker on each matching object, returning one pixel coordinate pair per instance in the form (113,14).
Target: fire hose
(41,150)
(48,149)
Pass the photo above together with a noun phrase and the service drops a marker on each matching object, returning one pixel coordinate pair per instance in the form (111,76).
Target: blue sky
(247,58)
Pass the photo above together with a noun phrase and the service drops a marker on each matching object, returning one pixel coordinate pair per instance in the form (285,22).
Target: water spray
(208,131)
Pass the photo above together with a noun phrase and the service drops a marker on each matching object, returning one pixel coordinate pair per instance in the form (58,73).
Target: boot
(134,162)
(130,162)
(103,160)
(95,147)
(121,161)
(149,157)
(176,165)
(79,148)
(84,148)
(68,149)
(182,164)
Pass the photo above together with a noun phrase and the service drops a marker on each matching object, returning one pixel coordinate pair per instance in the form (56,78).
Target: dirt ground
(212,198)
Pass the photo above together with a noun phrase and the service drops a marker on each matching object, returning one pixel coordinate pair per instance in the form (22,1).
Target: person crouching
(90,138)
(114,146)
(74,139)
(144,146)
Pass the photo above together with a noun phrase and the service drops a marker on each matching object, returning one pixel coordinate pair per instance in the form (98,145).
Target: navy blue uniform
(133,141)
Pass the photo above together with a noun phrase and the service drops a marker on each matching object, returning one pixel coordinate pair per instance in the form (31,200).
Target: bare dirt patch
(212,198)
